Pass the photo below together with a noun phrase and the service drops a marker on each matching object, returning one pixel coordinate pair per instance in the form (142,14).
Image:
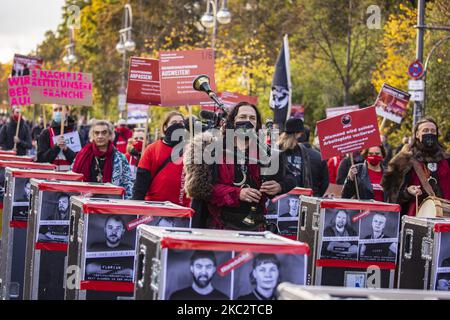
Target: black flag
(280,95)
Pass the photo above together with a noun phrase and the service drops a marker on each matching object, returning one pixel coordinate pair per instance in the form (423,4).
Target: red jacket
(224,193)
(121,140)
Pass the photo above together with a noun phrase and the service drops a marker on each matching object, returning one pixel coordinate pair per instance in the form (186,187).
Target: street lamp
(70,57)
(125,44)
(212,16)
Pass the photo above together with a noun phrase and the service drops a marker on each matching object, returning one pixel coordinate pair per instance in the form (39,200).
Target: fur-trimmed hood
(394,176)
(198,175)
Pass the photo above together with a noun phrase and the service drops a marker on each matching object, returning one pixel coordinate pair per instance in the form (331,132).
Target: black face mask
(169,136)
(429,140)
(244,125)
(302,139)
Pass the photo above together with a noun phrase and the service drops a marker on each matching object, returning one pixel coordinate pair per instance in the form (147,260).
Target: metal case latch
(427,249)
(315,221)
(154,279)
(80,230)
(409,233)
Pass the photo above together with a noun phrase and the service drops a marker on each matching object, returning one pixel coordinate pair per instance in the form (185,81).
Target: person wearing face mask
(57,152)
(122,136)
(8,134)
(240,188)
(134,150)
(298,158)
(160,175)
(420,171)
(368,175)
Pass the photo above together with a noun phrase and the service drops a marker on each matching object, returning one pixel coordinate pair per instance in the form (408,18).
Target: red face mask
(137,145)
(374,160)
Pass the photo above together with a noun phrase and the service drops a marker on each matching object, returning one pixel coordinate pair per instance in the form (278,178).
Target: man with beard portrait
(114,231)
(203,267)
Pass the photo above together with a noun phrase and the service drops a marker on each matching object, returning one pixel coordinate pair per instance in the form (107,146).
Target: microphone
(201,83)
(207,115)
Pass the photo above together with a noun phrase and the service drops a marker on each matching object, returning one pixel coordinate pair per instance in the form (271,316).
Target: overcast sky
(23,24)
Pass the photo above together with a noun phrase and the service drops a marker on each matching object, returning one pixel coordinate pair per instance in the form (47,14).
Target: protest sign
(298,111)
(333,112)
(392,103)
(23,65)
(137,113)
(72,140)
(61,87)
(349,132)
(19,91)
(143,82)
(178,69)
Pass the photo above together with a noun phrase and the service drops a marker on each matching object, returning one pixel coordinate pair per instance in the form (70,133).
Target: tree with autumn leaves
(335,58)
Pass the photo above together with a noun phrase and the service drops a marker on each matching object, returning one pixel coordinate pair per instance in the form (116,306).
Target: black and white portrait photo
(192,275)
(22,190)
(340,235)
(170,222)
(20,213)
(379,236)
(443,270)
(2,183)
(272,209)
(288,207)
(109,233)
(259,278)
(54,217)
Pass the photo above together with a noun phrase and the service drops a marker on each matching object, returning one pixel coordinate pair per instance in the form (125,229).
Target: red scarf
(85,160)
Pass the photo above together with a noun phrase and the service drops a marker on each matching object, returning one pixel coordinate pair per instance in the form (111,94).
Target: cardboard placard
(72,140)
(137,113)
(23,65)
(348,133)
(19,91)
(178,69)
(143,82)
(298,111)
(333,112)
(392,103)
(61,87)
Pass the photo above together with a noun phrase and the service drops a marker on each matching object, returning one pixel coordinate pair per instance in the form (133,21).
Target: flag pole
(287,57)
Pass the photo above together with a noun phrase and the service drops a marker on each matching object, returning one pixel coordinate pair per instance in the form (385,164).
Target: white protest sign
(72,140)
(137,113)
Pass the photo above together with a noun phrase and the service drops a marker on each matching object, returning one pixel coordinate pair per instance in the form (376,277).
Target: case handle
(141,265)
(408,243)
(303,214)
(72,226)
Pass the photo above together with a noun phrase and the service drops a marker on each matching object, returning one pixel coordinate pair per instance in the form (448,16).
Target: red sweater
(168,185)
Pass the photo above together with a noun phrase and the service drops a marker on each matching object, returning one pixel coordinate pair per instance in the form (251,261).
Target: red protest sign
(143,82)
(61,87)
(392,103)
(19,91)
(178,69)
(23,65)
(349,132)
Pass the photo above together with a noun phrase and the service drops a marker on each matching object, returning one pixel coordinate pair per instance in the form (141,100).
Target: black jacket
(364,185)
(8,132)
(45,153)
(319,171)
(305,180)
(344,167)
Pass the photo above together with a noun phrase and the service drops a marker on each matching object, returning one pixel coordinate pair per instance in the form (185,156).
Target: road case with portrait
(48,232)
(354,243)
(15,219)
(102,243)
(282,212)
(424,254)
(17,164)
(202,264)
(10,157)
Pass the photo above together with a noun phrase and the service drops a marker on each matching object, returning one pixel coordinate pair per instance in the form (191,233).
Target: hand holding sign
(62,143)
(69,140)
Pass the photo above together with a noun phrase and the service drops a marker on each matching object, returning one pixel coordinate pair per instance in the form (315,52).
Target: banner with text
(349,132)
(178,69)
(143,82)
(137,113)
(392,103)
(333,112)
(230,99)
(23,65)
(61,87)
(19,91)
